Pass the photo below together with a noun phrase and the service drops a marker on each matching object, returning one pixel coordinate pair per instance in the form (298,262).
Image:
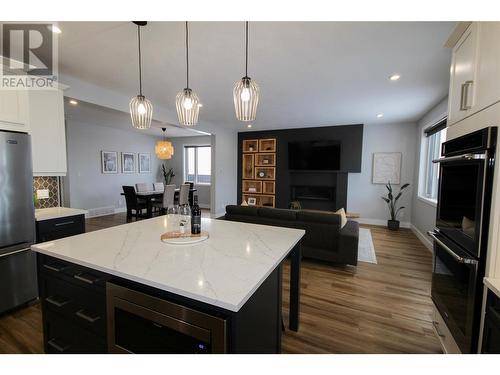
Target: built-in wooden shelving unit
(259,171)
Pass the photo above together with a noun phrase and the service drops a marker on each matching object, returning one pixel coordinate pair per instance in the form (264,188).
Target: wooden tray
(178,238)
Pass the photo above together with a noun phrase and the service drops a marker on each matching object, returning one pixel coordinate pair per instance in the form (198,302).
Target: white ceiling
(88,113)
(310,73)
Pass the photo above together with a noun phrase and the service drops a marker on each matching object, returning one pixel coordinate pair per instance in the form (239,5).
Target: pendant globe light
(186,101)
(164,149)
(246,91)
(141,109)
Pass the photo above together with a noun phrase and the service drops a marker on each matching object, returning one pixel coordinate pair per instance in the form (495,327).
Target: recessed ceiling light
(73,102)
(55,29)
(394,77)
(380,115)
(249,126)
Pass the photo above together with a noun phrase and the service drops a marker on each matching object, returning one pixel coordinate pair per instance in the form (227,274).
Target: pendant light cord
(140,59)
(246,49)
(187,55)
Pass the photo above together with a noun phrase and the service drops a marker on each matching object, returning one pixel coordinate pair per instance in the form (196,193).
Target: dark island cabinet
(87,311)
(73,307)
(53,229)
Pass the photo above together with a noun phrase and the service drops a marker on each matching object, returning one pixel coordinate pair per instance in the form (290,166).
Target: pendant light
(164,149)
(246,91)
(187,102)
(141,109)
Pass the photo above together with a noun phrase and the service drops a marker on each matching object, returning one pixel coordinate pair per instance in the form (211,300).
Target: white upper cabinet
(462,76)
(475,71)
(488,68)
(14,110)
(48,133)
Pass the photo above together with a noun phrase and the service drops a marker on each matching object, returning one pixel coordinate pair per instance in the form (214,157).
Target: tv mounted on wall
(314,155)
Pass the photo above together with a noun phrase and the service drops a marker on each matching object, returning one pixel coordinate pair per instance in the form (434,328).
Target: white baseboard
(115,211)
(379,222)
(423,238)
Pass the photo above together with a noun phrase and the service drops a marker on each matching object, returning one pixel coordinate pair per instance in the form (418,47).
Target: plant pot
(393,224)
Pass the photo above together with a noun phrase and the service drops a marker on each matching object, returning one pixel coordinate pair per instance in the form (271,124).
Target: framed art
(144,163)
(386,168)
(109,162)
(252,201)
(128,162)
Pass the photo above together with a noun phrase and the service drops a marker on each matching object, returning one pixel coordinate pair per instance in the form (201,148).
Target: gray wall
(85,186)
(177,163)
(363,197)
(423,216)
(224,171)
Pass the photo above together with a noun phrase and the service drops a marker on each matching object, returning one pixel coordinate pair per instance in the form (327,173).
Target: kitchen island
(123,290)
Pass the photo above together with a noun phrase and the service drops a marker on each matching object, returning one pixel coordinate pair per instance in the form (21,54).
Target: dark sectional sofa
(324,239)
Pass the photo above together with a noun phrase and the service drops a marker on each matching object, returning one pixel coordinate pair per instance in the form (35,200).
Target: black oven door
(454,282)
(460,197)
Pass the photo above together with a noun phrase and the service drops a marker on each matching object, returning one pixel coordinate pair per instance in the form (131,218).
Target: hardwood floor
(371,308)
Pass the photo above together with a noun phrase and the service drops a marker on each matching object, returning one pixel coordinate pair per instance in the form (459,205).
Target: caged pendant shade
(187,102)
(246,92)
(141,109)
(164,149)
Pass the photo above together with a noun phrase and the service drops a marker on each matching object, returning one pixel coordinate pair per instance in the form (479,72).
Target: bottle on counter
(195,217)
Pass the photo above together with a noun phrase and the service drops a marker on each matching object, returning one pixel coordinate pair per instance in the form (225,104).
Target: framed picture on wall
(109,162)
(144,163)
(128,162)
(386,168)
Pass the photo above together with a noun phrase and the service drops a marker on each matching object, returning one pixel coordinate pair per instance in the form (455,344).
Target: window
(433,138)
(198,164)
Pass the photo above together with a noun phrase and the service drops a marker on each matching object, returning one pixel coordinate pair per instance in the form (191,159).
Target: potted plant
(391,200)
(167,174)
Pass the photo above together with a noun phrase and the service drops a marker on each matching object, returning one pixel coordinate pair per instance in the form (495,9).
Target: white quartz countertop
(57,212)
(493,285)
(223,271)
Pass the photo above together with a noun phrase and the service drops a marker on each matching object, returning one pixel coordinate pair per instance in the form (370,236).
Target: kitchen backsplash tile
(52,185)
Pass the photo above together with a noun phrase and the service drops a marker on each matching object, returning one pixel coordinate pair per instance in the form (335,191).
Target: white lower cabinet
(14,111)
(48,133)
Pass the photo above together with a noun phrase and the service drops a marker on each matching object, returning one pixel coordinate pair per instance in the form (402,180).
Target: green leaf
(398,196)
(385,199)
(404,187)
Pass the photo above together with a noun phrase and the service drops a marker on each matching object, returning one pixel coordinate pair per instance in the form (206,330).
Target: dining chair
(142,187)
(133,203)
(191,193)
(168,199)
(159,186)
(184,194)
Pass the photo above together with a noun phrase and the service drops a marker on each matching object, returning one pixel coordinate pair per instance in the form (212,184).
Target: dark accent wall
(351,138)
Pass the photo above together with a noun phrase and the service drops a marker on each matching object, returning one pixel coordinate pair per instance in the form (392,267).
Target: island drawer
(63,337)
(53,229)
(76,304)
(75,274)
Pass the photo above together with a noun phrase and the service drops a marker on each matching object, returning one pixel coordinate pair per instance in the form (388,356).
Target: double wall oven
(461,233)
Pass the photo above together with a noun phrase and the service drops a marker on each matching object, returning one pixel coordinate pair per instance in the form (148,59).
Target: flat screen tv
(314,155)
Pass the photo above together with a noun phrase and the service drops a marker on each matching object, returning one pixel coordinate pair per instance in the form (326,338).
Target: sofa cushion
(319,217)
(242,210)
(277,214)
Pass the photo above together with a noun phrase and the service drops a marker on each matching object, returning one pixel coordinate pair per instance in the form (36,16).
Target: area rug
(366,250)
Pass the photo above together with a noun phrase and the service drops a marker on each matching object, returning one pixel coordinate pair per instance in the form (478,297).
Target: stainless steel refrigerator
(18,280)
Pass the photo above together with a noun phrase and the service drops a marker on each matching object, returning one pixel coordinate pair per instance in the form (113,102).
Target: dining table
(152,195)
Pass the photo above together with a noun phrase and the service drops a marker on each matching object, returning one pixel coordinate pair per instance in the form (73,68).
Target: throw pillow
(343,218)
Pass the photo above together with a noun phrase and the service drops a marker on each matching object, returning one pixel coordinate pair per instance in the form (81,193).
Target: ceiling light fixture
(186,101)
(73,102)
(394,77)
(249,125)
(380,115)
(246,91)
(141,109)
(164,149)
